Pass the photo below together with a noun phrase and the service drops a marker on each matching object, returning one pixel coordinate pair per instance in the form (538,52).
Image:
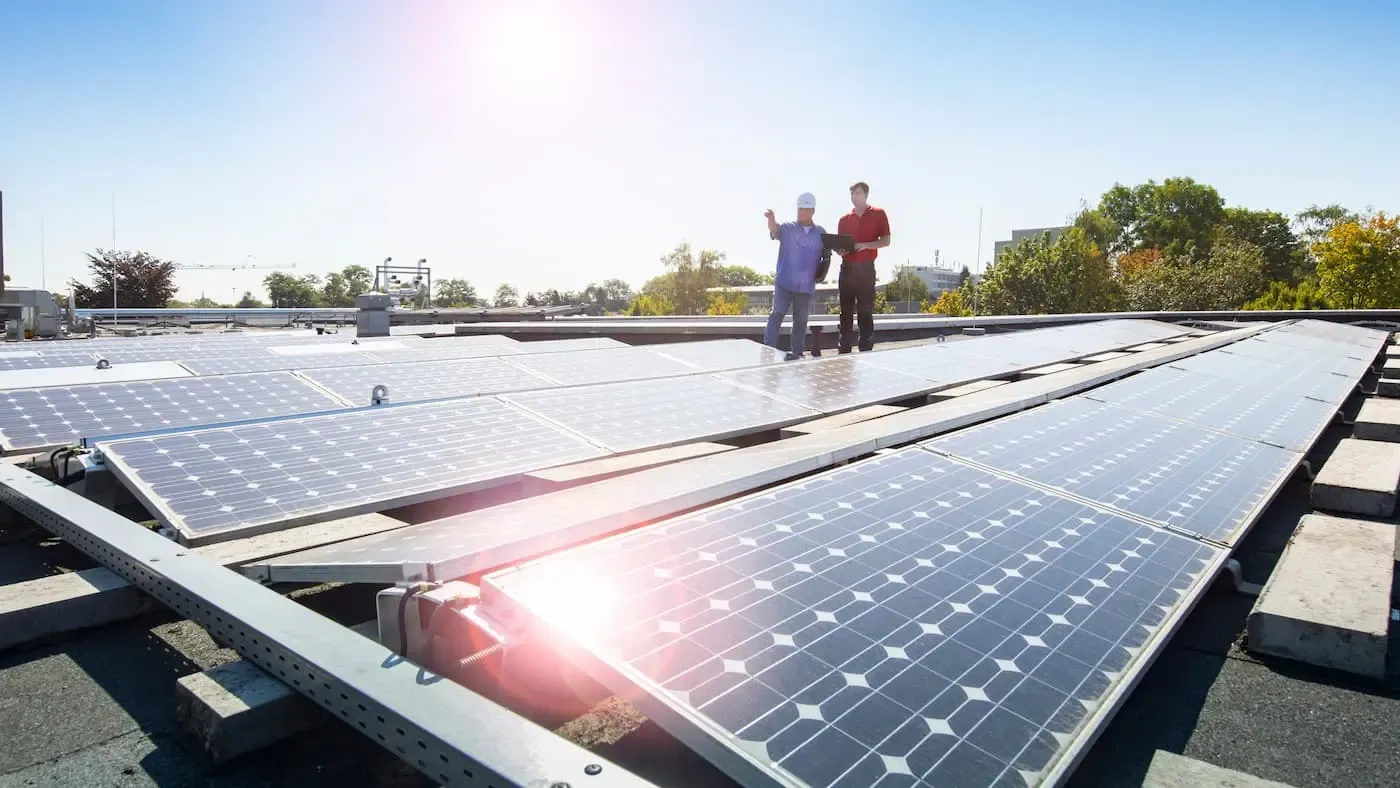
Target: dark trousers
(857,284)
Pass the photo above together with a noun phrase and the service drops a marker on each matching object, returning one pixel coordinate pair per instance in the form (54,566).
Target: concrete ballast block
(1361,477)
(50,605)
(1327,602)
(1391,369)
(1378,420)
(1169,770)
(236,709)
(1388,388)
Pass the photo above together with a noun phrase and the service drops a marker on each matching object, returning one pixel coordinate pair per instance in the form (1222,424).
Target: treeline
(1177,246)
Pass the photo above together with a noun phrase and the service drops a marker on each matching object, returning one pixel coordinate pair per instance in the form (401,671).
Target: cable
(409,593)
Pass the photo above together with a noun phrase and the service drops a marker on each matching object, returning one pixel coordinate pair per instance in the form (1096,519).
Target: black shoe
(864,348)
(843,351)
(794,356)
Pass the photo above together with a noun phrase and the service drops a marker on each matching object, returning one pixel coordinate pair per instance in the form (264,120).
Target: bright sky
(550,143)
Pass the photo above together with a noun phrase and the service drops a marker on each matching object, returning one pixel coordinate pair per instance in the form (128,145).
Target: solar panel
(1021,350)
(660,412)
(1255,411)
(256,476)
(905,621)
(601,366)
(720,354)
(830,384)
(426,380)
(1300,379)
(556,345)
(947,364)
(42,417)
(259,360)
(46,359)
(1185,476)
(89,373)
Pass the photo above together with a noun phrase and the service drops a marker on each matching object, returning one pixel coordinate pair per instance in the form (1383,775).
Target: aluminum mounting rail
(451,734)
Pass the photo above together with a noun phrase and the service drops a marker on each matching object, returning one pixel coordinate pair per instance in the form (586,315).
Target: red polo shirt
(864,228)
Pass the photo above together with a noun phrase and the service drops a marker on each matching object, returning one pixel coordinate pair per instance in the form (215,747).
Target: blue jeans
(801,305)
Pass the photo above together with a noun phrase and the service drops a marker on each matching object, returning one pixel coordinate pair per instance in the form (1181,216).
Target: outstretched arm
(772,224)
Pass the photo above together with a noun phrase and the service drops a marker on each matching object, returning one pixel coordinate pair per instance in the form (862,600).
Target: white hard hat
(806,200)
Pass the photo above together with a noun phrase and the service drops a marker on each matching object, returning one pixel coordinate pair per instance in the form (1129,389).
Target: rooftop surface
(98,707)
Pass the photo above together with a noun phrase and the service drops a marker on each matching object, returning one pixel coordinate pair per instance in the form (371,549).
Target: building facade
(1018,236)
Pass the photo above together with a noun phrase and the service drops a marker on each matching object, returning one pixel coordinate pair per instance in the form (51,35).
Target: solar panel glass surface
(426,380)
(653,413)
(1171,472)
(259,475)
(907,620)
(42,417)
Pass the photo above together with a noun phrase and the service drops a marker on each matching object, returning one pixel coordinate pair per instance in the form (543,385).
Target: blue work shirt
(799,251)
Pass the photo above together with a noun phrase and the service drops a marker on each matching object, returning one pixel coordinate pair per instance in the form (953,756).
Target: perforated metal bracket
(449,733)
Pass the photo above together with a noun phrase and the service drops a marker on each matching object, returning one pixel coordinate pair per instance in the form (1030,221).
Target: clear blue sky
(549,144)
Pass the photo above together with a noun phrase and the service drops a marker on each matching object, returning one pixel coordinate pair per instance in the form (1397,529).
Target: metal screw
(592,769)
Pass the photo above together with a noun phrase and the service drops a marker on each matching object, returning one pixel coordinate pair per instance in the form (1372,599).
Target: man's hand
(862,246)
(769,215)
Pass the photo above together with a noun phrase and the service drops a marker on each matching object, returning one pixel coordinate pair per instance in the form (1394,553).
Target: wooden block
(235,709)
(840,420)
(1109,356)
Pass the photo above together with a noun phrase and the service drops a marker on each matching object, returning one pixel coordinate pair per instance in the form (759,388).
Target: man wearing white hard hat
(800,254)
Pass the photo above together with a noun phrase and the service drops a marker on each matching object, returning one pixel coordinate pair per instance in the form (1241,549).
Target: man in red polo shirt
(870,229)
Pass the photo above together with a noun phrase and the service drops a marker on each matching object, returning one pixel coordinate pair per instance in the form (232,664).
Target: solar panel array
(44,417)
(617,417)
(252,476)
(962,612)
(908,620)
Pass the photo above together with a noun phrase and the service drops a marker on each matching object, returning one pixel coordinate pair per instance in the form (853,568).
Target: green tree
(506,296)
(950,303)
(1316,222)
(650,304)
(454,294)
(1176,216)
(334,292)
(739,276)
(1285,257)
(611,295)
(249,302)
(964,276)
(1283,296)
(906,287)
(1041,276)
(143,281)
(1358,263)
(727,302)
(1227,277)
(358,280)
(289,292)
(691,273)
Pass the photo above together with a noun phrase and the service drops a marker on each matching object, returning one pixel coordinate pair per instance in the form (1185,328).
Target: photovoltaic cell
(280,472)
(426,380)
(948,363)
(1304,381)
(1171,472)
(45,359)
(1257,411)
(43,417)
(653,413)
(830,384)
(601,366)
(720,354)
(904,621)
